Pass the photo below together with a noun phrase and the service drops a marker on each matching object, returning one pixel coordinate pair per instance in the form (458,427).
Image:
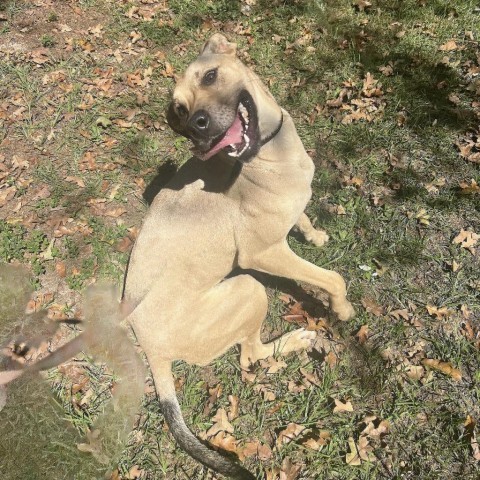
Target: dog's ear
(218,44)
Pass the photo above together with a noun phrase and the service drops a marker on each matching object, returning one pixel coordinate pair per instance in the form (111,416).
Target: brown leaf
(415,372)
(234,407)
(342,407)
(61,269)
(79,181)
(378,431)
(440,313)
(469,188)
(39,56)
(255,448)
(7,194)
(225,441)
(400,313)
(221,423)
(289,471)
(362,334)
(372,306)
(319,441)
(290,433)
(467,239)
(124,245)
(449,46)
(267,393)
(273,365)
(361,5)
(134,473)
(310,377)
(444,367)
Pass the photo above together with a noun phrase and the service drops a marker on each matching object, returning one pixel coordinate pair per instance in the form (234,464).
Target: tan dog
(232,205)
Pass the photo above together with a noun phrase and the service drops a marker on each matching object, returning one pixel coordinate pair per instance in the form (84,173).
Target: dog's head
(216,104)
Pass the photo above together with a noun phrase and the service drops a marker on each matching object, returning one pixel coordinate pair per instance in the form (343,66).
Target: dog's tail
(184,437)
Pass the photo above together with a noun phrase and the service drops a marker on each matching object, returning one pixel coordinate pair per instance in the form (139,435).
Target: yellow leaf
(444,367)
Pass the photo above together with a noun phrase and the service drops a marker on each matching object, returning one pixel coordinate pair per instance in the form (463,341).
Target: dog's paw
(318,238)
(345,311)
(300,339)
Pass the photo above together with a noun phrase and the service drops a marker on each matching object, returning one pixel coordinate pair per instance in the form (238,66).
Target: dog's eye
(210,77)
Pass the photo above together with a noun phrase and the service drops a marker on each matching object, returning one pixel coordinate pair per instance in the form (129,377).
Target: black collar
(270,136)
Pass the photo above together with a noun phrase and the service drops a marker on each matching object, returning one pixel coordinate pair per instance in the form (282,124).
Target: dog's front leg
(311,234)
(281,261)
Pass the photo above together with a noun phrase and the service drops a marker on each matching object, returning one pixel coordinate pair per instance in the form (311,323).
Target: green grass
(378,172)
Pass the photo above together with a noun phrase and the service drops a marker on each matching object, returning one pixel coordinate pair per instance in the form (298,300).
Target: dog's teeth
(233,154)
(243,112)
(247,140)
(243,150)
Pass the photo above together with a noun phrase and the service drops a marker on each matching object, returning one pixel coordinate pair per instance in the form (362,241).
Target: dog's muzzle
(240,140)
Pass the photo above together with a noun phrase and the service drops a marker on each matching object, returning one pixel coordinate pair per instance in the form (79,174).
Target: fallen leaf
(467,239)
(234,407)
(221,423)
(272,365)
(361,5)
(290,433)
(400,313)
(310,377)
(469,188)
(289,471)
(255,448)
(372,306)
(134,473)
(440,313)
(415,372)
(422,217)
(449,46)
(124,244)
(319,441)
(61,269)
(353,457)
(362,334)
(79,181)
(7,194)
(225,441)
(444,367)
(342,407)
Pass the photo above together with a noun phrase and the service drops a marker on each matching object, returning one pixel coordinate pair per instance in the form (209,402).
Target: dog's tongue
(234,135)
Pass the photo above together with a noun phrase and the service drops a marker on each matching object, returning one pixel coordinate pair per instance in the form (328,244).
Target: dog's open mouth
(240,139)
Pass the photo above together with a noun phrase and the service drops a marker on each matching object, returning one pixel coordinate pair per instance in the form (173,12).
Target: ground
(385,96)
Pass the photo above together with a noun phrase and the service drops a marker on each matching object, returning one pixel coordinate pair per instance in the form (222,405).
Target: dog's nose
(199,121)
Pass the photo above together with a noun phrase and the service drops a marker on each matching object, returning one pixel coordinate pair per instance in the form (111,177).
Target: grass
(78,120)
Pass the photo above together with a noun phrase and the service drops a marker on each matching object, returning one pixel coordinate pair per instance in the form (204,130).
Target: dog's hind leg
(281,261)
(311,234)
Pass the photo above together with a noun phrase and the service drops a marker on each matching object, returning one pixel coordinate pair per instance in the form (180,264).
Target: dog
(230,206)
(228,210)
